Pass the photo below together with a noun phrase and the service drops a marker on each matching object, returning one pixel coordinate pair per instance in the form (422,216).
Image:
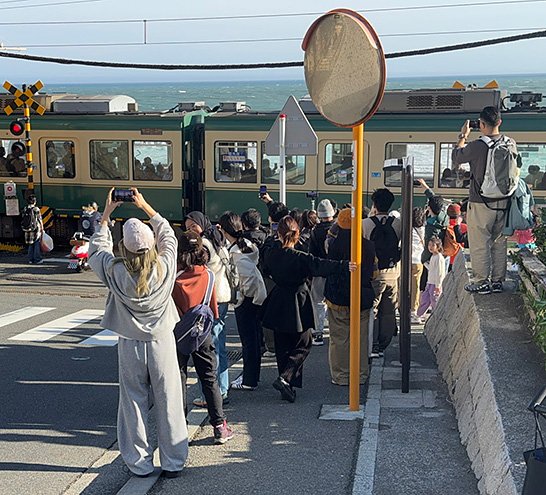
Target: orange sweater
(189,290)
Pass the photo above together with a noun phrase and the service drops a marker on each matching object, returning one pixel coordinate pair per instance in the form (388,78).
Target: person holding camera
(486,214)
(141,311)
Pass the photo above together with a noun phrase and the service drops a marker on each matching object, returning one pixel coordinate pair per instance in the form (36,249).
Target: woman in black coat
(289,309)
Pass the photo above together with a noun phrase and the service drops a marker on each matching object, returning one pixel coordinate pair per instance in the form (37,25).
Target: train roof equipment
(95,104)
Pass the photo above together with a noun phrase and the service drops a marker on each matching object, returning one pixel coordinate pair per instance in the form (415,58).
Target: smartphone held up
(123,195)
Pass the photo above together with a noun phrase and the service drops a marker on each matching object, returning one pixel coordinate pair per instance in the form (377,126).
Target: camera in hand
(263,191)
(475,125)
(125,195)
(312,194)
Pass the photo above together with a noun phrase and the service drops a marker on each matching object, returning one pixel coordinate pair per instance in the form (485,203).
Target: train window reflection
(109,160)
(12,158)
(339,164)
(423,160)
(452,175)
(295,168)
(533,169)
(236,161)
(60,159)
(152,160)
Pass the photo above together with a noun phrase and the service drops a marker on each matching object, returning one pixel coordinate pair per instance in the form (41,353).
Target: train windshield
(423,161)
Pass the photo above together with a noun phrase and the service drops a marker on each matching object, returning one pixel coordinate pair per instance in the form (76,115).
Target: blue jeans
(34,252)
(219,342)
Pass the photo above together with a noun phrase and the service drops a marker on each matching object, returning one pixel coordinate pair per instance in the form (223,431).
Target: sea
(269,95)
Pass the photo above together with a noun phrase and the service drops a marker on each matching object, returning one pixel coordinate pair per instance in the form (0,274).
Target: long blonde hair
(141,263)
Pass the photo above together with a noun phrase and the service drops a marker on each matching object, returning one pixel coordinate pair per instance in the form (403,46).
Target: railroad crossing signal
(24,97)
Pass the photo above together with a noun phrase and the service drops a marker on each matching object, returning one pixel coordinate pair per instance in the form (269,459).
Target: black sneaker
(287,392)
(318,339)
(172,474)
(483,287)
(496,287)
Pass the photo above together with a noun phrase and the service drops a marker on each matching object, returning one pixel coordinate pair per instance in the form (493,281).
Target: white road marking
(106,338)
(22,314)
(58,326)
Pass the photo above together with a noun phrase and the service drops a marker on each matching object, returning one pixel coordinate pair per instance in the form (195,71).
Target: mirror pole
(356,256)
(282,158)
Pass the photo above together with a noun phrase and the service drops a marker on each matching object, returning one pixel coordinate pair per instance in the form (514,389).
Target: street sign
(24,98)
(300,138)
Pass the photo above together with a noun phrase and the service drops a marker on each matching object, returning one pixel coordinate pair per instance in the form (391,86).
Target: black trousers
(291,350)
(204,361)
(250,332)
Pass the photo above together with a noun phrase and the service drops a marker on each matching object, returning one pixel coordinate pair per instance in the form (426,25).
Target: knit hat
(344,219)
(137,236)
(454,210)
(325,209)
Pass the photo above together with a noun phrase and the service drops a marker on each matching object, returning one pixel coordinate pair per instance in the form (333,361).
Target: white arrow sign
(300,138)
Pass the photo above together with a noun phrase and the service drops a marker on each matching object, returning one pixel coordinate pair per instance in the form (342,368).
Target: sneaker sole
(317,344)
(222,441)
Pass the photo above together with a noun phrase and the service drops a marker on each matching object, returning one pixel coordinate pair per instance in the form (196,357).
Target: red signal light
(17,127)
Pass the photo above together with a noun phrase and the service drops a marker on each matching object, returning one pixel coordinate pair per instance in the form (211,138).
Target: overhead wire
(260,16)
(263,40)
(267,65)
(50,4)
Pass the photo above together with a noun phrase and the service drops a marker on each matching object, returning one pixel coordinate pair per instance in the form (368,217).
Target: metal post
(356,256)
(405,272)
(282,158)
(28,144)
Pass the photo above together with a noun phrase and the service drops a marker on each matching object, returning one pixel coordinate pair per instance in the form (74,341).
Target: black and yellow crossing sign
(24,97)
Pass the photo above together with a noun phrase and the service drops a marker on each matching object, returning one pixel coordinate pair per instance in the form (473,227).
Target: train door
(193,169)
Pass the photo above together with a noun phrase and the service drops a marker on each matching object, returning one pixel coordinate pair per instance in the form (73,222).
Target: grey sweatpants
(146,367)
(486,242)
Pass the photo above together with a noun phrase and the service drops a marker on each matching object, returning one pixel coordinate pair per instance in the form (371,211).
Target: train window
(12,158)
(452,175)
(152,160)
(295,168)
(423,161)
(339,164)
(60,159)
(533,169)
(109,160)
(235,161)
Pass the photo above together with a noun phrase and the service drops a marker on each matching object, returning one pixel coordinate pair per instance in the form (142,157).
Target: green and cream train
(194,158)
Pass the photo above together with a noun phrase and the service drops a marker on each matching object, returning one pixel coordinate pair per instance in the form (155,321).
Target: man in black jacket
(338,297)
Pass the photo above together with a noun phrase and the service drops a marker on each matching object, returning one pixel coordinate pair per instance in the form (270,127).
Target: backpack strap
(210,287)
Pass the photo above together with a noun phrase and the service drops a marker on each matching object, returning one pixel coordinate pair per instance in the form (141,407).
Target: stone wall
(454,333)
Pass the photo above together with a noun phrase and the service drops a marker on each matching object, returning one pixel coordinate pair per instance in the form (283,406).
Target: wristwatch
(462,136)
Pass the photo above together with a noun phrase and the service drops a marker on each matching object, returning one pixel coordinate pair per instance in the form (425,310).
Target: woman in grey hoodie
(140,309)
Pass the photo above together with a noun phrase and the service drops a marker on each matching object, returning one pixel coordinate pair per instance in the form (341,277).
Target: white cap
(137,236)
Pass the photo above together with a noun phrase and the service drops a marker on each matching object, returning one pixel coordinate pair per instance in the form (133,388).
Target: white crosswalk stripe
(106,338)
(58,326)
(22,314)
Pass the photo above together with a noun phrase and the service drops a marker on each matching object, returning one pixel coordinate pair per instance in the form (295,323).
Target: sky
(517,58)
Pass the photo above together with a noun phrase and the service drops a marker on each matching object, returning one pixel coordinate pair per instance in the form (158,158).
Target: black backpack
(29,219)
(386,242)
(196,324)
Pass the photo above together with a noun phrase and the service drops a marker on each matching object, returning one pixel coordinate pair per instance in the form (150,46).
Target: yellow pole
(356,256)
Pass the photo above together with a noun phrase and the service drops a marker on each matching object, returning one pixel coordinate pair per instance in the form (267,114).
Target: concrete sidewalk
(284,448)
